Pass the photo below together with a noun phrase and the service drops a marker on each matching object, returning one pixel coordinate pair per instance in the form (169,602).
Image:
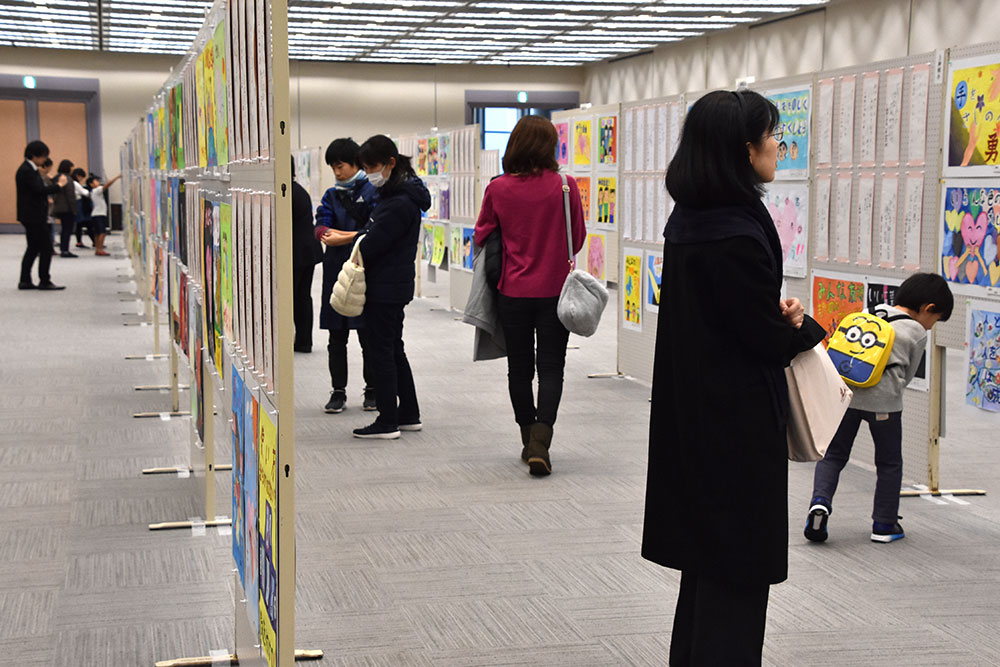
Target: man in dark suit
(33,213)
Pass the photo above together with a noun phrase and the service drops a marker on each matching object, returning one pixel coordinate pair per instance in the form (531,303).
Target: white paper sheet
(824,124)
(629,131)
(869,117)
(662,137)
(866,206)
(640,135)
(845,124)
(913,203)
(841,230)
(888,207)
(917,128)
(822,218)
(650,154)
(893,115)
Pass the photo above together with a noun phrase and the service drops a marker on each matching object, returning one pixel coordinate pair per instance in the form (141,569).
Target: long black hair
(379,150)
(712,166)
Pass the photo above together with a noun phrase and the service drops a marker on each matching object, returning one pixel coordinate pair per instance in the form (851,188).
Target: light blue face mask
(358,175)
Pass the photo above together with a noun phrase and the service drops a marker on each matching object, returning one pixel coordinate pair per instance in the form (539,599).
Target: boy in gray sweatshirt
(921,301)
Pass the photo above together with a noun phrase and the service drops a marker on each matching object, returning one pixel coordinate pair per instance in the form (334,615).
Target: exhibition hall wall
(841,34)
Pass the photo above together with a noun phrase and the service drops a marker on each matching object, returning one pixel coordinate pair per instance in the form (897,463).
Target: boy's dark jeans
(887,433)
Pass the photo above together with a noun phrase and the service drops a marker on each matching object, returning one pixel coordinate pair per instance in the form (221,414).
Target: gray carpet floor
(438,548)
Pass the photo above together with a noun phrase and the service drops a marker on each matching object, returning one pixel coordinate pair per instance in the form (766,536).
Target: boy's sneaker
(412,426)
(338,397)
(377,431)
(819,513)
(886,532)
(369,405)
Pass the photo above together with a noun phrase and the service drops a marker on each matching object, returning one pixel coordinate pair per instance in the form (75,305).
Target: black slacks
(395,393)
(39,239)
(302,304)
(523,320)
(718,623)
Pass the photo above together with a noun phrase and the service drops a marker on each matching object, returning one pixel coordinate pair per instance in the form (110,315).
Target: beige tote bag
(818,398)
(348,296)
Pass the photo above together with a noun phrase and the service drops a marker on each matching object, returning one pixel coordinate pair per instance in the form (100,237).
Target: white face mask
(377,179)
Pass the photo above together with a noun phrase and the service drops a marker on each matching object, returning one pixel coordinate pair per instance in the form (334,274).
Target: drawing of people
(782,151)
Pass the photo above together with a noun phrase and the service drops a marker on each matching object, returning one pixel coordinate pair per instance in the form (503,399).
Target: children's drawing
(632,290)
(974,96)
(455,247)
(581,143)
(607,140)
(596,255)
(583,185)
(970,235)
(467,234)
(444,159)
(833,298)
(427,242)
(432,157)
(422,157)
(788,204)
(654,274)
(606,200)
(983,386)
(562,145)
(439,245)
(793,148)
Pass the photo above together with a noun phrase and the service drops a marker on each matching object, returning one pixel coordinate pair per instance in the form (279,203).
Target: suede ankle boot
(525,437)
(540,439)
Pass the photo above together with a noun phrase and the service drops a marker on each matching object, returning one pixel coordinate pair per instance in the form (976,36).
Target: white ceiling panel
(533,32)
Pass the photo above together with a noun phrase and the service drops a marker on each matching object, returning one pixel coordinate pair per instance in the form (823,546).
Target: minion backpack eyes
(860,348)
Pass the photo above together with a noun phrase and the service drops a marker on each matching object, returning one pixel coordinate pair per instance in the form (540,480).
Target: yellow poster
(632,291)
(975,115)
(581,139)
(267,534)
(439,245)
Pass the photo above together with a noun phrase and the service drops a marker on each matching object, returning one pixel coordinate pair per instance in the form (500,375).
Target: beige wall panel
(726,54)
(63,126)
(785,48)
(865,32)
(11,155)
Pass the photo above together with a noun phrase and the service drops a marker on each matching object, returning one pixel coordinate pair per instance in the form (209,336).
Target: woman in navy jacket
(717,487)
(389,251)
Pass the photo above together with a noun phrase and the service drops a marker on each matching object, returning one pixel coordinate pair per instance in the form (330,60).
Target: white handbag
(348,296)
(583,297)
(818,398)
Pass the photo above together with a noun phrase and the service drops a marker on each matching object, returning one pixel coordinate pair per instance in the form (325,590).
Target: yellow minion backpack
(861,346)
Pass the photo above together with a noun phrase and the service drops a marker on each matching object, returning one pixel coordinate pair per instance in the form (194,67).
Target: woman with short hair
(717,486)
(526,204)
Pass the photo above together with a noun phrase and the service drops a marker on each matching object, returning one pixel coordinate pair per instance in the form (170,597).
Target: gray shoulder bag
(583,297)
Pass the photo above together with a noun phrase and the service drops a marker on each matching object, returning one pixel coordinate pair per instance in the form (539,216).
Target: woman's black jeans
(523,320)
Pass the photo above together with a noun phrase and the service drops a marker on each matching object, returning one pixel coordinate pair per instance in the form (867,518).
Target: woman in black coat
(716,495)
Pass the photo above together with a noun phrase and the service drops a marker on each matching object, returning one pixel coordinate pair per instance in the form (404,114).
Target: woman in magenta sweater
(526,204)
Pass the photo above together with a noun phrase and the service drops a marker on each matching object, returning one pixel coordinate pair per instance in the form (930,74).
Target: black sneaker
(819,513)
(68,254)
(412,426)
(26,285)
(887,532)
(377,431)
(338,398)
(49,286)
(369,404)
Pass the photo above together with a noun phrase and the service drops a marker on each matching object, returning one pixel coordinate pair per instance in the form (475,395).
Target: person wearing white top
(99,213)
